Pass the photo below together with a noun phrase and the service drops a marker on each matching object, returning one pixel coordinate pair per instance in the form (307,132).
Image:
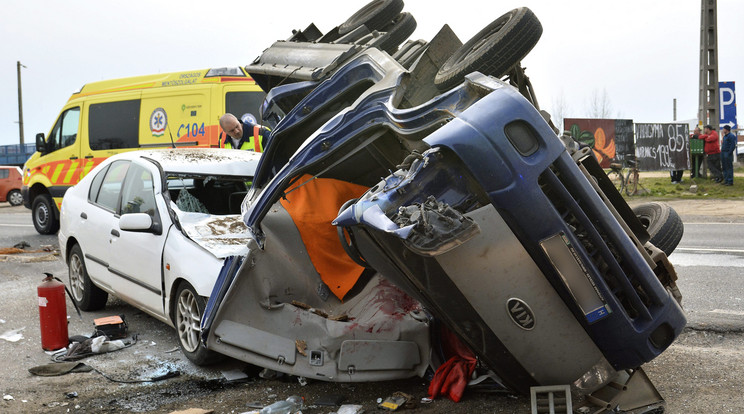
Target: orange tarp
(313,205)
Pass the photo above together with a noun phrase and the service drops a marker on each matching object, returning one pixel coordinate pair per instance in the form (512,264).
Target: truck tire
(662,223)
(15,198)
(494,50)
(42,211)
(397,32)
(375,15)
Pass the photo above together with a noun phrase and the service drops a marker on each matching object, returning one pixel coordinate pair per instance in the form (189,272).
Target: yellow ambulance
(108,117)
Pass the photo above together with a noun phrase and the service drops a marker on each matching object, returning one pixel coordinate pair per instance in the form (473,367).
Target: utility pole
(708,101)
(20,102)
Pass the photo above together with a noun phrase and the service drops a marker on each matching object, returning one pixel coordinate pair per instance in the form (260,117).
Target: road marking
(16,225)
(727,312)
(705,249)
(717,222)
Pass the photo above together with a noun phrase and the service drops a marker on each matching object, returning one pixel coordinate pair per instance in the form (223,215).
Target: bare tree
(559,110)
(600,105)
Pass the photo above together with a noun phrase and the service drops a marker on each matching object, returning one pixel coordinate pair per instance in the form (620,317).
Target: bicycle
(625,179)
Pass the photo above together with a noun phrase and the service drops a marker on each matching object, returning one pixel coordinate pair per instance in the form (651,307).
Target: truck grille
(621,277)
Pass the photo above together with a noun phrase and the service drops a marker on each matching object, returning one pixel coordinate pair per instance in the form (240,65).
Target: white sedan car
(152,227)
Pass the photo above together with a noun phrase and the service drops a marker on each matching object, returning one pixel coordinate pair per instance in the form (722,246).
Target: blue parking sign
(727,96)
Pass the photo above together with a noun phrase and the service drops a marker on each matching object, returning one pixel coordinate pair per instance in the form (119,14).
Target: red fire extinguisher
(52,314)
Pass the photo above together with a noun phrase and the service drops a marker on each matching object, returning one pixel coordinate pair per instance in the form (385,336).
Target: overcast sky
(642,54)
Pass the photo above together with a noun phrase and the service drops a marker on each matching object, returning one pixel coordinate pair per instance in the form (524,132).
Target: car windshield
(208,194)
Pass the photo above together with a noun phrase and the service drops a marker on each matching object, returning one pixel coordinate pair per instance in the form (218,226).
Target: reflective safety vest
(250,143)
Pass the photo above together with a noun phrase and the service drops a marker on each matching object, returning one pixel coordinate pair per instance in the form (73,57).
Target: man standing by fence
(727,155)
(713,152)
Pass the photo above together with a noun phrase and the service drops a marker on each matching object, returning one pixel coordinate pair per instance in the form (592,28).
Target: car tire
(662,223)
(86,295)
(494,50)
(375,15)
(397,32)
(42,210)
(189,309)
(15,198)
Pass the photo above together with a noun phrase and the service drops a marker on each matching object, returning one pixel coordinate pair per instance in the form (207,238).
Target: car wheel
(15,198)
(375,15)
(494,50)
(86,295)
(397,32)
(662,223)
(42,210)
(189,309)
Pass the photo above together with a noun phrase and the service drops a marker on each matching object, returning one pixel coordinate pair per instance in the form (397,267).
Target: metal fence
(16,154)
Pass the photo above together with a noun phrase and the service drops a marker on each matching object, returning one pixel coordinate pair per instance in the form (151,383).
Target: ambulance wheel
(86,295)
(42,211)
(375,15)
(15,198)
(189,309)
(494,50)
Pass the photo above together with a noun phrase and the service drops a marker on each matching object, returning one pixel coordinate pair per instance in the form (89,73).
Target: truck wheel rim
(42,215)
(76,277)
(188,320)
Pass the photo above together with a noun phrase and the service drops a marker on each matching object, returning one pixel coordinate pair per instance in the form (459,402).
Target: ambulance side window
(239,103)
(114,125)
(65,130)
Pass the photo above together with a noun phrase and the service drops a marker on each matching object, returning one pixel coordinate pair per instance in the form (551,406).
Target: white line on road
(727,312)
(705,249)
(717,222)
(16,225)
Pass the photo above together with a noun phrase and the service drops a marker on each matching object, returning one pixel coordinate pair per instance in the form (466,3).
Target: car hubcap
(15,198)
(188,319)
(76,277)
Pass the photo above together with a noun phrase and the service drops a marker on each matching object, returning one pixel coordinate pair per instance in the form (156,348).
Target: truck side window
(65,130)
(114,125)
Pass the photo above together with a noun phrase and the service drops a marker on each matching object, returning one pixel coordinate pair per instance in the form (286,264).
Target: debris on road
(13,335)
(396,401)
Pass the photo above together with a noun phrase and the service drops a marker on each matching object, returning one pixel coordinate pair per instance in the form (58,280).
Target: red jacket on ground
(711,143)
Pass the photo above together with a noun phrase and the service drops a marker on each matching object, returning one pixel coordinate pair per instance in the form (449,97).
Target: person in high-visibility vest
(246,135)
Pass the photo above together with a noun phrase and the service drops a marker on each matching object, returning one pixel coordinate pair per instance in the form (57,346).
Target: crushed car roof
(207,161)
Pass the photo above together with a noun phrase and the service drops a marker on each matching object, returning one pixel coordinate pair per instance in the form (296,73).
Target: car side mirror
(135,222)
(40,143)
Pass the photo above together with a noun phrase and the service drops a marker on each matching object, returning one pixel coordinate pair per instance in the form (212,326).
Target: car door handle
(83,215)
(115,232)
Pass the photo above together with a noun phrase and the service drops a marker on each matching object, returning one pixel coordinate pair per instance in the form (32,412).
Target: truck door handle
(73,158)
(83,215)
(115,232)
(88,156)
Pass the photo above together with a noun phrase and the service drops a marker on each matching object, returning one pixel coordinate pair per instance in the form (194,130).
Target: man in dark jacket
(727,155)
(713,152)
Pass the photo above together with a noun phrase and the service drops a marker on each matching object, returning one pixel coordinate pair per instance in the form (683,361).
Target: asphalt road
(701,372)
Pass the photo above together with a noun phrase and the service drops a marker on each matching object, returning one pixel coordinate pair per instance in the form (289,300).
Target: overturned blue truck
(408,185)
